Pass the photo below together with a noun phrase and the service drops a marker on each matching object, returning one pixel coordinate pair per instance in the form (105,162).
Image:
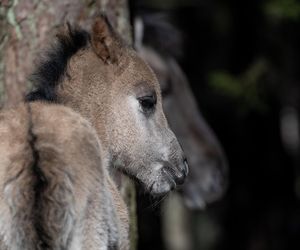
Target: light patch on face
(165,153)
(134,106)
(157,167)
(135,111)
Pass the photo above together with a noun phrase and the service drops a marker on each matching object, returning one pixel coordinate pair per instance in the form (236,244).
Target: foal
(56,192)
(104,80)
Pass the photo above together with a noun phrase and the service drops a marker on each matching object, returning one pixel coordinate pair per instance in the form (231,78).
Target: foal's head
(107,82)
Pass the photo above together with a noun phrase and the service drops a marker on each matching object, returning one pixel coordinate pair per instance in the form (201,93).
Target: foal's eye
(147,103)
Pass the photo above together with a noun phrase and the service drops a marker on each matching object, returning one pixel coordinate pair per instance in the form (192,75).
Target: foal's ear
(103,40)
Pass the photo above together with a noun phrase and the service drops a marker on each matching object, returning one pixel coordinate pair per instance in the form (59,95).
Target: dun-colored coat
(109,84)
(55,189)
(56,192)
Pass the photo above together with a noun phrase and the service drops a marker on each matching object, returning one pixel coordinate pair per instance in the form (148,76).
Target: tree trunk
(27,26)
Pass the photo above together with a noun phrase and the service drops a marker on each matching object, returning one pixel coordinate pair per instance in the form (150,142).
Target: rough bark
(27,26)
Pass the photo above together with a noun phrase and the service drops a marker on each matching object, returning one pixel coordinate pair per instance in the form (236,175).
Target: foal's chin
(162,187)
(161,190)
(162,180)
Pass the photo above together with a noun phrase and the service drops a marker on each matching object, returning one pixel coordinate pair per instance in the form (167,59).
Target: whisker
(159,201)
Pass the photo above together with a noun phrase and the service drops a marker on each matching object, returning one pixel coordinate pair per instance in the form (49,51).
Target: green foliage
(246,90)
(283,9)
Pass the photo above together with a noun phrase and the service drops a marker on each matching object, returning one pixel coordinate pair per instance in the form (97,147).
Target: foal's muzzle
(176,174)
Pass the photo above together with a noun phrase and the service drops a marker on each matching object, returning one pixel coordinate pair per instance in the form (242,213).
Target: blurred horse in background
(208,165)
(56,190)
(159,44)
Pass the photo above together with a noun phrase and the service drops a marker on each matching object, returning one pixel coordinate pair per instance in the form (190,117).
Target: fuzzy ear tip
(102,38)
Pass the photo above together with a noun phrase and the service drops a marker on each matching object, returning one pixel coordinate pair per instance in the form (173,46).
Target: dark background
(242,61)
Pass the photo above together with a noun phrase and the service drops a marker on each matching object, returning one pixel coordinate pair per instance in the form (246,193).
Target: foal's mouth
(177,174)
(170,178)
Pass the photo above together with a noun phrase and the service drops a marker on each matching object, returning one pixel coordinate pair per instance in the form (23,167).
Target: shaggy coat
(55,189)
(56,192)
(102,78)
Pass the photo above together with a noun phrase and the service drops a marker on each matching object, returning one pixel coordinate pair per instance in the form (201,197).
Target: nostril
(180,179)
(185,167)
(176,174)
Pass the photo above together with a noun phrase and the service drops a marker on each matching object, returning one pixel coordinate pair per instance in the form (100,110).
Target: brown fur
(55,190)
(107,93)
(102,41)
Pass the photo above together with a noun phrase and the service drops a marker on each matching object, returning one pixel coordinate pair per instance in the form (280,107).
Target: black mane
(49,73)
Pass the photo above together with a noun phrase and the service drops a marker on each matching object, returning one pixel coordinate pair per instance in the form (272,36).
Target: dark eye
(147,103)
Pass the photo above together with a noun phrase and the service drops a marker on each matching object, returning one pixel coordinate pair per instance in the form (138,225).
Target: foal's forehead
(143,74)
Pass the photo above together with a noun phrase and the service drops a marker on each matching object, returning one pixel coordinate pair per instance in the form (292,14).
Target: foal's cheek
(124,123)
(135,121)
